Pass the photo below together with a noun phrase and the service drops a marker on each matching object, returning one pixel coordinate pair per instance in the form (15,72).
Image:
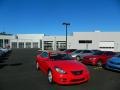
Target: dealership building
(108,41)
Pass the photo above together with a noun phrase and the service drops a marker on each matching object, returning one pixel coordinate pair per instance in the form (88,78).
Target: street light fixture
(66,24)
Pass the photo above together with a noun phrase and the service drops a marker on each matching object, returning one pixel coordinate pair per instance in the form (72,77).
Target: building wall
(30,36)
(73,41)
(96,38)
(5,40)
(27,41)
(57,39)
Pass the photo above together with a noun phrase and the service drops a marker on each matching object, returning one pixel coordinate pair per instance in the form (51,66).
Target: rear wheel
(99,63)
(50,77)
(78,58)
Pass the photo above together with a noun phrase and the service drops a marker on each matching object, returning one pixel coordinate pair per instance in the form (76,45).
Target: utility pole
(66,25)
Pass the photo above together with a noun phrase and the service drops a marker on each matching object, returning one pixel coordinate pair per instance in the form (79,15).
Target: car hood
(69,65)
(115,59)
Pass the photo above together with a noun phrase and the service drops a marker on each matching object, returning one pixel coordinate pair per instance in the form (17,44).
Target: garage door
(107,45)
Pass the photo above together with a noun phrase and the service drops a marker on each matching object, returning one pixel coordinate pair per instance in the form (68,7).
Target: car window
(109,53)
(98,53)
(61,57)
(77,51)
(44,54)
(87,51)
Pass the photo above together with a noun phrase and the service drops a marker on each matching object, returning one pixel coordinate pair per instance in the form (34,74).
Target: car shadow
(2,65)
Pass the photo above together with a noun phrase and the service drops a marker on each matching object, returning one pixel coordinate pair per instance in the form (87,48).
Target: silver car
(79,54)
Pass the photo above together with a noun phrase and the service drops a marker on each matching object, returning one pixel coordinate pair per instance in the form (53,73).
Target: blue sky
(47,16)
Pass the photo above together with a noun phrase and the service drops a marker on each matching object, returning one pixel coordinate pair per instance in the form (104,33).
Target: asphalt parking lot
(18,72)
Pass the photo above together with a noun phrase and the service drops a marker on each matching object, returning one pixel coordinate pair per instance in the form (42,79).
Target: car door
(44,59)
(85,53)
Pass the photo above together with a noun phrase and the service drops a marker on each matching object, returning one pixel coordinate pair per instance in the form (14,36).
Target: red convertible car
(99,58)
(61,68)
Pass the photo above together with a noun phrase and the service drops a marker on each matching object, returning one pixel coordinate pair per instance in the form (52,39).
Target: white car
(5,50)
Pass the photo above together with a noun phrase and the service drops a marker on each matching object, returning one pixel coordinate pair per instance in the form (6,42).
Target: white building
(108,41)
(79,40)
(27,41)
(5,40)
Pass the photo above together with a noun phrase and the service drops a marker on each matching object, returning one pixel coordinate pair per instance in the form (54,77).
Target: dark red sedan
(98,58)
(69,51)
(61,68)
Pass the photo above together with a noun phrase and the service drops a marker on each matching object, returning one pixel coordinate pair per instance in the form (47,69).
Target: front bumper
(91,62)
(66,79)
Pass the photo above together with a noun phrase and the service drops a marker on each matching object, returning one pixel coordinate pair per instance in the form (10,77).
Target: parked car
(99,58)
(5,50)
(113,63)
(61,68)
(1,54)
(79,54)
(69,51)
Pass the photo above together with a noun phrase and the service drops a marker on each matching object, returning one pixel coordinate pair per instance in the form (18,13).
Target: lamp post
(66,24)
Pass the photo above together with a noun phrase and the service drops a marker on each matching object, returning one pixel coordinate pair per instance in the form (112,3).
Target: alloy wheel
(37,65)
(99,63)
(50,77)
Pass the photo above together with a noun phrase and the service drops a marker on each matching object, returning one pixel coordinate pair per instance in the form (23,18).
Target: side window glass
(44,54)
(87,51)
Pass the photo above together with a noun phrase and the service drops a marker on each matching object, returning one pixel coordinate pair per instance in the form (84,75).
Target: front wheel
(37,66)
(50,77)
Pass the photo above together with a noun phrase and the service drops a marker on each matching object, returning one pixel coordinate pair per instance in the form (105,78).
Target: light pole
(66,24)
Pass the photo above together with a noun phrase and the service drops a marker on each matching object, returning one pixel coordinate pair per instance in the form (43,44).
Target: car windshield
(61,57)
(109,53)
(77,51)
(98,53)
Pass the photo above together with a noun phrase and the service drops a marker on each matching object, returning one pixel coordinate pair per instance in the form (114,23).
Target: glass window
(48,45)
(7,43)
(61,45)
(41,44)
(21,44)
(14,44)
(35,44)
(44,54)
(61,57)
(1,42)
(28,44)
(98,53)
(87,51)
(109,53)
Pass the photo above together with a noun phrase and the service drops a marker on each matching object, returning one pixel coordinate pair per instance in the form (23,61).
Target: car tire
(78,58)
(50,77)
(37,66)
(99,63)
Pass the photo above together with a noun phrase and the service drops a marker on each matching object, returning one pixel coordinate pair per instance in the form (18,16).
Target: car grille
(77,72)
(77,80)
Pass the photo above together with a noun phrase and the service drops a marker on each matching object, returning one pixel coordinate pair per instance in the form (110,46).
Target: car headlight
(59,70)
(92,58)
